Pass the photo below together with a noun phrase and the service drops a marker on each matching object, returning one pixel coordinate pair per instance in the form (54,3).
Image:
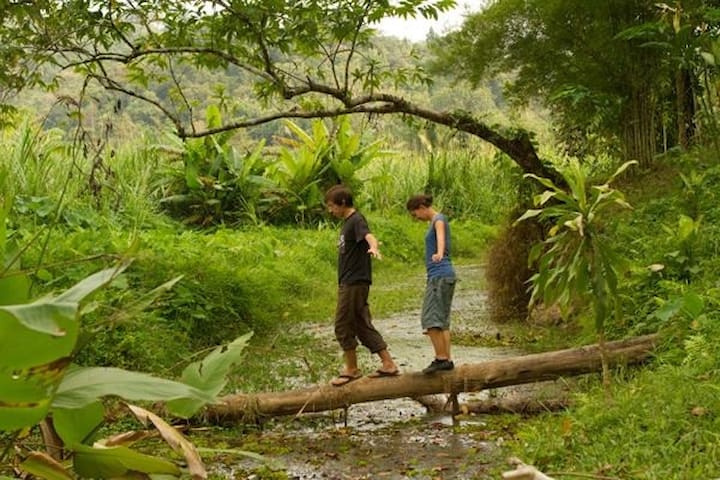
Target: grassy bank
(661,421)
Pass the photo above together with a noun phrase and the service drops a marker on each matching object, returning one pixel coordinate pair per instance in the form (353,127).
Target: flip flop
(344,379)
(384,373)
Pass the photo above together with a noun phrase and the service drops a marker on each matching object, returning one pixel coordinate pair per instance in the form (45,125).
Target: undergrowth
(661,421)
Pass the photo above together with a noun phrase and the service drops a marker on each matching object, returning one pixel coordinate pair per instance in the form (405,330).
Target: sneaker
(438,365)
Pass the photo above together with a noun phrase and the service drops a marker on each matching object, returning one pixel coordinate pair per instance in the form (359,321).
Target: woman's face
(421,213)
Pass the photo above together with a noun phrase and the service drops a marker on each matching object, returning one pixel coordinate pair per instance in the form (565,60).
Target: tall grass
(37,160)
(465,183)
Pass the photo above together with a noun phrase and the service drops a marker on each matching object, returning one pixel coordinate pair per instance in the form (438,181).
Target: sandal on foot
(344,379)
(384,373)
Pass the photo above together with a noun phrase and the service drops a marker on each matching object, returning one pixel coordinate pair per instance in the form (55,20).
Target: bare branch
(182,94)
(358,27)
(125,40)
(111,84)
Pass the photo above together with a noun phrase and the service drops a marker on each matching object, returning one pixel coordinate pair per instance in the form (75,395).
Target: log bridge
(464,378)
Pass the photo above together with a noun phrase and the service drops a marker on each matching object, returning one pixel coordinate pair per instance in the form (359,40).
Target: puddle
(398,439)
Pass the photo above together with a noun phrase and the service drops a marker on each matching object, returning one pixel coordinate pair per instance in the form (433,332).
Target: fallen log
(464,378)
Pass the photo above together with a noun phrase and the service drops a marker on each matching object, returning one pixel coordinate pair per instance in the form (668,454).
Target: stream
(398,439)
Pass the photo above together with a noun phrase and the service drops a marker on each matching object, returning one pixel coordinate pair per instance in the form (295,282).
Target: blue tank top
(444,267)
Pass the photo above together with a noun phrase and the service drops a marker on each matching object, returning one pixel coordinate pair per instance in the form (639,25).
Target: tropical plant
(576,261)
(43,389)
(311,162)
(32,156)
(682,260)
(216,183)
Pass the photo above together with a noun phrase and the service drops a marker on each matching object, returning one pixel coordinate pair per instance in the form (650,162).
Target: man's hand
(374,245)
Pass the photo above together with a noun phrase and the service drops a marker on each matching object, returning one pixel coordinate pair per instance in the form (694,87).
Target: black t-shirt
(354,266)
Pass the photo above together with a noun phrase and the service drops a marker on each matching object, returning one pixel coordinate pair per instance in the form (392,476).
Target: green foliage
(30,153)
(683,261)
(660,421)
(575,261)
(593,67)
(167,41)
(630,437)
(465,183)
(208,375)
(310,163)
(216,183)
(40,380)
(473,187)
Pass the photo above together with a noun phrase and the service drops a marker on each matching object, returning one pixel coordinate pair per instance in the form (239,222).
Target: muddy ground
(396,439)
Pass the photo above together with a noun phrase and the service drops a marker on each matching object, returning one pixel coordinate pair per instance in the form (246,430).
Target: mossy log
(464,378)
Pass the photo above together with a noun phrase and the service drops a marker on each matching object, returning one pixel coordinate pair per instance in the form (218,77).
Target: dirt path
(397,439)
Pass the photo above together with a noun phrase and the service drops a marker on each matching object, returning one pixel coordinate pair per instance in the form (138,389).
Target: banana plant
(40,386)
(352,154)
(577,261)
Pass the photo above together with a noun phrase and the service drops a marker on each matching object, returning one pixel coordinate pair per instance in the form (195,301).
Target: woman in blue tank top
(441,279)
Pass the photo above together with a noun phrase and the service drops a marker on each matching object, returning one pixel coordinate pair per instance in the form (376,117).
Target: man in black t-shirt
(353,322)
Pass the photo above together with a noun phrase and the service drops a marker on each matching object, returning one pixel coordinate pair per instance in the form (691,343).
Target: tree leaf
(209,375)
(82,386)
(113,462)
(176,440)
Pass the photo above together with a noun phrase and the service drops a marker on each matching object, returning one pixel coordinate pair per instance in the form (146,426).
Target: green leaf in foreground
(209,375)
(44,466)
(114,462)
(76,425)
(82,386)
(25,393)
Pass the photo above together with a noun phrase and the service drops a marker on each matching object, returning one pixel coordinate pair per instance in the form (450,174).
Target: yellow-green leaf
(44,466)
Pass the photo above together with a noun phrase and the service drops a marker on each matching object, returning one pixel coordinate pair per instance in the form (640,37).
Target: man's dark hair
(339,195)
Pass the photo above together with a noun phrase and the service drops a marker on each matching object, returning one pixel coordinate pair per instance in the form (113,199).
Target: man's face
(335,210)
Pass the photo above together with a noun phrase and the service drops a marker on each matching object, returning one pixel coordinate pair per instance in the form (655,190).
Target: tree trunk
(638,122)
(685,107)
(465,378)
